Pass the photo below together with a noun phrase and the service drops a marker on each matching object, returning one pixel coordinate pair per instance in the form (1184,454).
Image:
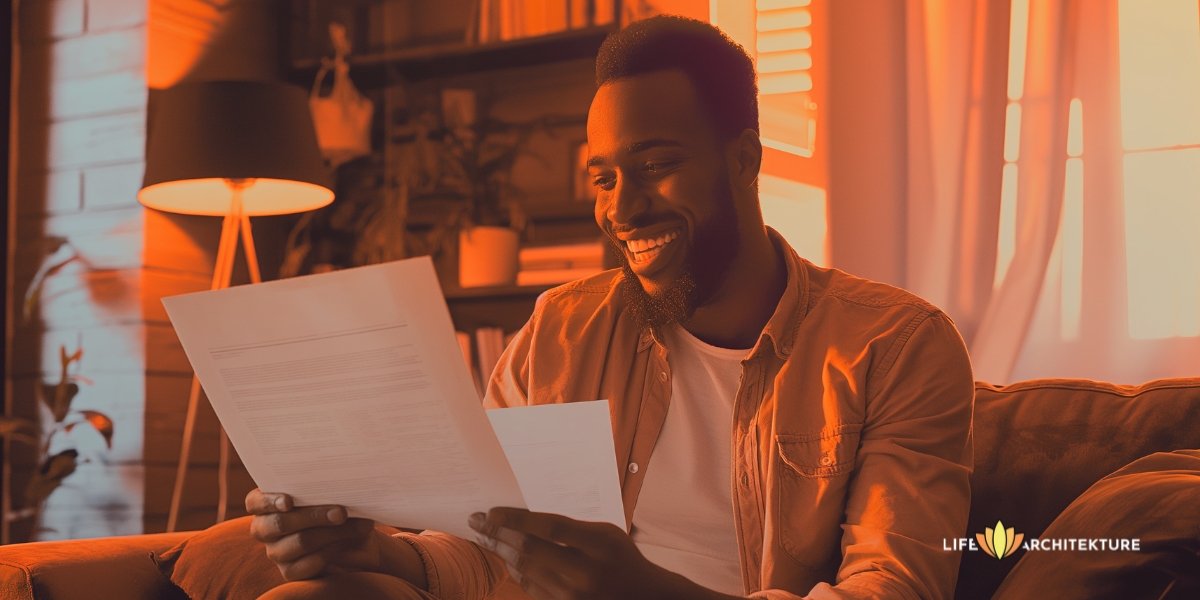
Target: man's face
(663,192)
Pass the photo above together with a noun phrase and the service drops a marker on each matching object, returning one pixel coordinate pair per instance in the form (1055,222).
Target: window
(1159,86)
(783,38)
(1160,133)
(783,44)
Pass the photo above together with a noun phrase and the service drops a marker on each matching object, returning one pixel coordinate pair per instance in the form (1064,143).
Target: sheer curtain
(956,74)
(1056,239)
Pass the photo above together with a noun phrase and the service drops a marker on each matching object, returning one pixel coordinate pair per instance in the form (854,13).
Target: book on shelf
(555,276)
(489,345)
(503,20)
(464,344)
(559,256)
(549,265)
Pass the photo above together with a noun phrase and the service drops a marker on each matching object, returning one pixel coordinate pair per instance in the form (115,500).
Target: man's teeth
(637,246)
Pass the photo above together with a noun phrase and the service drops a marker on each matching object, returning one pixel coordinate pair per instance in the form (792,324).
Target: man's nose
(628,201)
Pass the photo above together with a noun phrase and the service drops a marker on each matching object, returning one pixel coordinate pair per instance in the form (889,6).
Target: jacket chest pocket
(812,480)
(826,453)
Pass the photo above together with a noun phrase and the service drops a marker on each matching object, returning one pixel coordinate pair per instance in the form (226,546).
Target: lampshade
(205,133)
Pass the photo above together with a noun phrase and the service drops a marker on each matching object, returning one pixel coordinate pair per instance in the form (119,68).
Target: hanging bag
(343,118)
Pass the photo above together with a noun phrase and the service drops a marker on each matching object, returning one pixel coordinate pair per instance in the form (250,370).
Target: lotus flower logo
(999,542)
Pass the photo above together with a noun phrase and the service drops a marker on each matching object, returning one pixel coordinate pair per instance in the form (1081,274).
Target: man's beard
(715,243)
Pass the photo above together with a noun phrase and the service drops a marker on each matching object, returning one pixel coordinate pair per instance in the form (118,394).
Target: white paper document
(564,458)
(349,388)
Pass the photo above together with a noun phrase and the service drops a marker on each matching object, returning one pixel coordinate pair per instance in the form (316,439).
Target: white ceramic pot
(487,256)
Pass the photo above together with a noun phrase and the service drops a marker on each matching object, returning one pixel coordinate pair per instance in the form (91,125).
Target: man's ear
(744,158)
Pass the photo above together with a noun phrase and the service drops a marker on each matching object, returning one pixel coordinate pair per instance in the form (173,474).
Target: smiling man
(783,430)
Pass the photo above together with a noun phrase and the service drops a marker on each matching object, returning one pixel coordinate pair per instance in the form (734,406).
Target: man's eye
(604,183)
(657,166)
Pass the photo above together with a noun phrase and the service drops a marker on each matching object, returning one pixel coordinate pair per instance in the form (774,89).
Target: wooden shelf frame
(374,70)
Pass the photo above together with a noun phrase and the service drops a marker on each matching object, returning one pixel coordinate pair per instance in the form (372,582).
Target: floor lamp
(234,149)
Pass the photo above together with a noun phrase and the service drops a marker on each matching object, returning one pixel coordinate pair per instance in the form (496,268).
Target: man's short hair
(718,67)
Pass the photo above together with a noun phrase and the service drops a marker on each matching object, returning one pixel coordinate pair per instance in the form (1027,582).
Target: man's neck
(739,310)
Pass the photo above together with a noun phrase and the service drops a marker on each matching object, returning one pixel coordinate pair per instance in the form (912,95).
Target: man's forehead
(629,112)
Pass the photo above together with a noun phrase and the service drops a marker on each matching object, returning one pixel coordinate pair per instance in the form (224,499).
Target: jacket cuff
(455,569)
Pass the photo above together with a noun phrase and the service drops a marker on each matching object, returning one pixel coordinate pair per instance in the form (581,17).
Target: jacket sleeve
(460,569)
(911,484)
(509,384)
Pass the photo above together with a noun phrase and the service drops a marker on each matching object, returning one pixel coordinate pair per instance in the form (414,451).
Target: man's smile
(650,248)
(646,249)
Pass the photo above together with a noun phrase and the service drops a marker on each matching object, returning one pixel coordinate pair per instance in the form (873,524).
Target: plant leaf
(59,254)
(63,394)
(49,476)
(98,420)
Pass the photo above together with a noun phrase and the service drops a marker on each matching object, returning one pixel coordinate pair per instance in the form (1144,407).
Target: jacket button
(633,467)
(745,480)
(826,460)
(662,376)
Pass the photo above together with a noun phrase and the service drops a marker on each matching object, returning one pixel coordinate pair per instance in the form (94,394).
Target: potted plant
(58,454)
(448,156)
(477,159)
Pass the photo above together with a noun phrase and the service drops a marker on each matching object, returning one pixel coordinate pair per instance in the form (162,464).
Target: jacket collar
(780,330)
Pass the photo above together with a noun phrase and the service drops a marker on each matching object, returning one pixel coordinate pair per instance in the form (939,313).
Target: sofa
(1039,445)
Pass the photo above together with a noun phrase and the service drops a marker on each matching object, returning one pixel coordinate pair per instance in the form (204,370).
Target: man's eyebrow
(636,147)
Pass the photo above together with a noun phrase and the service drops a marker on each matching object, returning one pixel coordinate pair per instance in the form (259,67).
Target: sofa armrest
(112,567)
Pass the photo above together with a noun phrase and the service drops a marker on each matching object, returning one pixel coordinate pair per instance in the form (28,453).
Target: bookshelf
(506,307)
(435,55)
(375,69)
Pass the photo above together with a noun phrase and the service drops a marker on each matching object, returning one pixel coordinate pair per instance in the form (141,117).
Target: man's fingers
(535,558)
(307,567)
(590,538)
(293,547)
(273,526)
(259,502)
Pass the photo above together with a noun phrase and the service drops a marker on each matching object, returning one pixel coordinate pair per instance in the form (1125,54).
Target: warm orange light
(784,62)
(1160,73)
(1006,243)
(789,18)
(1075,128)
(797,212)
(781,62)
(1006,239)
(776,41)
(1071,251)
(1012,132)
(212,197)
(1162,229)
(1160,118)
(1018,35)
(785,83)
(780,4)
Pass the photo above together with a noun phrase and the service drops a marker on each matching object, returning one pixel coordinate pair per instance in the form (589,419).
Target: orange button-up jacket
(851,440)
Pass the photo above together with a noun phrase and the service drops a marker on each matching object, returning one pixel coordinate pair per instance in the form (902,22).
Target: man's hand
(552,556)
(308,541)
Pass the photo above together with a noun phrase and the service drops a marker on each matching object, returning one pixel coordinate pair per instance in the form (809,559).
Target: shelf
(494,292)
(441,60)
(539,210)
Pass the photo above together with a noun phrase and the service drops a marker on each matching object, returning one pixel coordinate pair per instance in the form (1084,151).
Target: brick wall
(85,69)
(82,107)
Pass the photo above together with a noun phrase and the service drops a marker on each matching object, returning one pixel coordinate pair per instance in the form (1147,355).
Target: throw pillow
(1153,499)
(222,561)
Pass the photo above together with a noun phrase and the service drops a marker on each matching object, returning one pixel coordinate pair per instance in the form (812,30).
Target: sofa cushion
(112,567)
(1041,443)
(1153,499)
(223,561)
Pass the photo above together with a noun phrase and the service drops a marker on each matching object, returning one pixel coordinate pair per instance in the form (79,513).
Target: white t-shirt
(683,520)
